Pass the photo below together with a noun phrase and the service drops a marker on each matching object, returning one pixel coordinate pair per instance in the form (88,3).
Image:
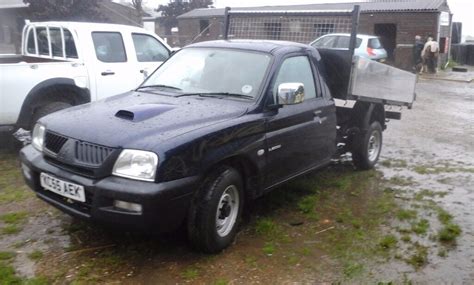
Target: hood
(141,120)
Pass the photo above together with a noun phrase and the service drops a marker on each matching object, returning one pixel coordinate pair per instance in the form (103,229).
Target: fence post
(355,27)
(226,22)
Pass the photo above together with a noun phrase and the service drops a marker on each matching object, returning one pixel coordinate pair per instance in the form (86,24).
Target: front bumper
(164,205)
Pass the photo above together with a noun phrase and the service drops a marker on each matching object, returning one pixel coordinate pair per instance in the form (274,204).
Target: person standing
(417,50)
(430,54)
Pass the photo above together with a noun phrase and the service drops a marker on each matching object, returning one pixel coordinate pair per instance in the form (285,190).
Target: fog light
(26,171)
(131,207)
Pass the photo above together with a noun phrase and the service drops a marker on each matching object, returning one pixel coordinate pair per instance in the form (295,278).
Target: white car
(366,46)
(64,64)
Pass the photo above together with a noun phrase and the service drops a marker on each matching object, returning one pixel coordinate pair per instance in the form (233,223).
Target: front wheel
(216,211)
(367,146)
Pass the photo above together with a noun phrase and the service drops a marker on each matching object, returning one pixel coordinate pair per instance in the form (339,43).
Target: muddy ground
(411,220)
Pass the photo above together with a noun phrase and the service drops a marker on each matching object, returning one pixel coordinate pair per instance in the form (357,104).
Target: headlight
(37,139)
(136,164)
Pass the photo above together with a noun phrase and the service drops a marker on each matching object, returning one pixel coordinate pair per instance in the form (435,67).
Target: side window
(342,42)
(297,69)
(30,44)
(109,46)
(56,42)
(149,49)
(326,42)
(42,36)
(71,50)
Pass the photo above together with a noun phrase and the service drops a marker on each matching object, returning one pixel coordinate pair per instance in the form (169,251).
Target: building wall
(11,24)
(190,30)
(301,29)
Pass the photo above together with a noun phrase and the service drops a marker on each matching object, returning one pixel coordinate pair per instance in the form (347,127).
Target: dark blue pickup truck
(217,124)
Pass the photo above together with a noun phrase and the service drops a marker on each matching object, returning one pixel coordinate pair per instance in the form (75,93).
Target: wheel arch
(364,113)
(248,170)
(50,91)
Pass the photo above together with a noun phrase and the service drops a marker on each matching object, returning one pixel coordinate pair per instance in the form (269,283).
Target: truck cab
(65,64)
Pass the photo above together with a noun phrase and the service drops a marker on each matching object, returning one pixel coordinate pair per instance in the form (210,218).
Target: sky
(462,9)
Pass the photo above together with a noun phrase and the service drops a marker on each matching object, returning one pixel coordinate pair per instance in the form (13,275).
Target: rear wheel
(367,146)
(46,110)
(216,211)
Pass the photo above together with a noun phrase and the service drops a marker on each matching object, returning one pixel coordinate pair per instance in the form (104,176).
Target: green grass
(6,255)
(404,214)
(35,255)
(405,238)
(420,257)
(190,273)
(421,227)
(269,248)
(401,180)
(307,205)
(397,163)
(266,227)
(449,232)
(220,281)
(427,169)
(351,270)
(388,242)
(7,275)
(14,218)
(444,217)
(11,229)
(428,193)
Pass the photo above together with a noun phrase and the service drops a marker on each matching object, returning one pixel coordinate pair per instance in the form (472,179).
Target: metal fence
(301,26)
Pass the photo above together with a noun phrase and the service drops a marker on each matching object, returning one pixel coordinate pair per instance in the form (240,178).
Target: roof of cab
(87,26)
(253,45)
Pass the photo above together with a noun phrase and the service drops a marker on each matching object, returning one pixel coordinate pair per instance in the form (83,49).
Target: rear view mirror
(290,93)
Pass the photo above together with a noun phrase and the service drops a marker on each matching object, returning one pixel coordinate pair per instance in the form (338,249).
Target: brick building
(396,22)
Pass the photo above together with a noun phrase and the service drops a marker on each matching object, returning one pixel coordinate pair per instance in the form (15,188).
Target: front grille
(54,142)
(91,154)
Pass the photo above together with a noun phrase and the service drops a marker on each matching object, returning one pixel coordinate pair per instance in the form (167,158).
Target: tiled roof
(365,7)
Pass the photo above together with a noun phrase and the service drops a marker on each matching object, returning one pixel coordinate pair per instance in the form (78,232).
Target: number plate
(63,188)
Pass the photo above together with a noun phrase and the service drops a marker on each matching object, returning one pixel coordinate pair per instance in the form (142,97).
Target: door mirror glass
(290,93)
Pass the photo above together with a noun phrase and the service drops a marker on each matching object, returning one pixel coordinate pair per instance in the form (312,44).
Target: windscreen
(213,70)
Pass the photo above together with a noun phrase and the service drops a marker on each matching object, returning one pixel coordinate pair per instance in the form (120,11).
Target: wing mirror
(290,93)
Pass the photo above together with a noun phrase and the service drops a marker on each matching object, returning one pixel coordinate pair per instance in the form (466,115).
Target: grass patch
(420,257)
(35,255)
(14,218)
(388,242)
(6,255)
(190,273)
(401,180)
(269,248)
(405,238)
(397,163)
(421,227)
(449,232)
(427,169)
(428,193)
(266,227)
(7,275)
(404,215)
(351,270)
(11,229)
(307,205)
(444,217)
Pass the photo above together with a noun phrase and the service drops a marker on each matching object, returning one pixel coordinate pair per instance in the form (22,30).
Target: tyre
(46,110)
(216,211)
(367,146)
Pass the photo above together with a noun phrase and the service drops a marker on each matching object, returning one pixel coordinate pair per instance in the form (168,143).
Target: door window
(109,46)
(297,70)
(71,50)
(56,42)
(326,42)
(149,49)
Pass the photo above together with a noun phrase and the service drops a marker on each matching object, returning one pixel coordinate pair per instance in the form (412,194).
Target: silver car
(366,46)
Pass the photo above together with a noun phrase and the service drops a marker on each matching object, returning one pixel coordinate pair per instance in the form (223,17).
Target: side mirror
(290,93)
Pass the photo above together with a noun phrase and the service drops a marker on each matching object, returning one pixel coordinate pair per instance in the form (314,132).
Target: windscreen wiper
(213,94)
(158,86)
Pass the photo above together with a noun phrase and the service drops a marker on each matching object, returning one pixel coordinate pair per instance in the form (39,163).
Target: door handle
(316,113)
(108,72)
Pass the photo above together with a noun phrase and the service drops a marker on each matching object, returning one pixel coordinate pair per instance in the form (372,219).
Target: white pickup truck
(69,63)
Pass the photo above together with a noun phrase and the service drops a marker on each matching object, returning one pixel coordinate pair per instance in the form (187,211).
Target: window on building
(204,26)
(149,49)
(323,29)
(297,69)
(109,46)
(272,30)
